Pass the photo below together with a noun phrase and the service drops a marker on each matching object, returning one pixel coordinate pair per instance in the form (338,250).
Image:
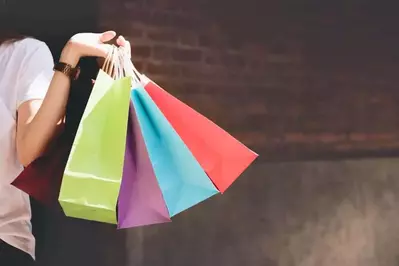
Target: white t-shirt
(25,74)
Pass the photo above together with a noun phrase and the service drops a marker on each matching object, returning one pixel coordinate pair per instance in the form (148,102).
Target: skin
(39,121)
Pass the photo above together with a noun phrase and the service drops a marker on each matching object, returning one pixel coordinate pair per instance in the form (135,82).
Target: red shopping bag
(42,178)
(222,156)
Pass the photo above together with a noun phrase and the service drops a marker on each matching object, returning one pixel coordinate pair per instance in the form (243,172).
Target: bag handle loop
(118,64)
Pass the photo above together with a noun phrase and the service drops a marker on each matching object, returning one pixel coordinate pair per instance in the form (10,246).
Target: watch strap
(68,70)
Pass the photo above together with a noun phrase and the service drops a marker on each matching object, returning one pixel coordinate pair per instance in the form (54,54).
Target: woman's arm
(38,119)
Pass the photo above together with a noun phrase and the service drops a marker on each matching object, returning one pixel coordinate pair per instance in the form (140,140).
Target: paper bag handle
(112,65)
(118,64)
(128,66)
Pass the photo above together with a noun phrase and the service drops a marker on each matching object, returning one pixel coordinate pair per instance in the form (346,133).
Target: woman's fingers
(121,41)
(107,36)
(96,44)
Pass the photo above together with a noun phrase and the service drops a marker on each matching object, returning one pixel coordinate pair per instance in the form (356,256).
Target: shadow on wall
(291,214)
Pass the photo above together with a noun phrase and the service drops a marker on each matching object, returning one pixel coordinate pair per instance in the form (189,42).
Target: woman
(33,98)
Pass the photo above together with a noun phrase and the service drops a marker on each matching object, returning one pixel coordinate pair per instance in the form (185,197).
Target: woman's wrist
(69,55)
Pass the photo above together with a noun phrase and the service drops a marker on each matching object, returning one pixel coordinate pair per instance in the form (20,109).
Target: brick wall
(292,81)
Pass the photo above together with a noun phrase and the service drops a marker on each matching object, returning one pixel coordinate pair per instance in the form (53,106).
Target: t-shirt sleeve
(35,73)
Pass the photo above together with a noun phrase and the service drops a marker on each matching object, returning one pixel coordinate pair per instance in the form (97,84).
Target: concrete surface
(285,214)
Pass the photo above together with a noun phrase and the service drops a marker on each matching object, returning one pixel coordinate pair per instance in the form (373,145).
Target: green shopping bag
(93,173)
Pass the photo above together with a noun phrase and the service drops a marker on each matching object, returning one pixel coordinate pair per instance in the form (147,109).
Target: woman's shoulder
(31,44)
(31,48)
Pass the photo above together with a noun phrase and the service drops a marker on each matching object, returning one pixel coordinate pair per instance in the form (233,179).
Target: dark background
(310,85)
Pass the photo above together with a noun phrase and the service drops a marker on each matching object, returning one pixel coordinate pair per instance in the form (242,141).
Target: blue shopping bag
(181,178)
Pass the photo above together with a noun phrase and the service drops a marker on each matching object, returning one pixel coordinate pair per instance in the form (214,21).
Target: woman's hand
(38,119)
(90,44)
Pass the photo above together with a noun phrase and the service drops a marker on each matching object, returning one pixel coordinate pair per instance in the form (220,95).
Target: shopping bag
(182,180)
(93,172)
(42,178)
(140,197)
(222,156)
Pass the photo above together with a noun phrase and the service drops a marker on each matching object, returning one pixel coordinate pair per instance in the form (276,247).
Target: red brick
(253,139)
(163,36)
(373,137)
(212,57)
(344,147)
(212,60)
(187,55)
(209,41)
(141,51)
(384,136)
(205,40)
(296,137)
(200,74)
(256,108)
(163,69)
(188,39)
(233,60)
(357,136)
(134,33)
(160,18)
(140,65)
(162,53)
(331,137)
(314,138)
(187,22)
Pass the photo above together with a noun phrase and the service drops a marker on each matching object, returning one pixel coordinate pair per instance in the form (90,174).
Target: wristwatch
(71,72)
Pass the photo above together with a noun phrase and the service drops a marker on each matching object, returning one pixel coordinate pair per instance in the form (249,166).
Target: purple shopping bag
(140,197)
